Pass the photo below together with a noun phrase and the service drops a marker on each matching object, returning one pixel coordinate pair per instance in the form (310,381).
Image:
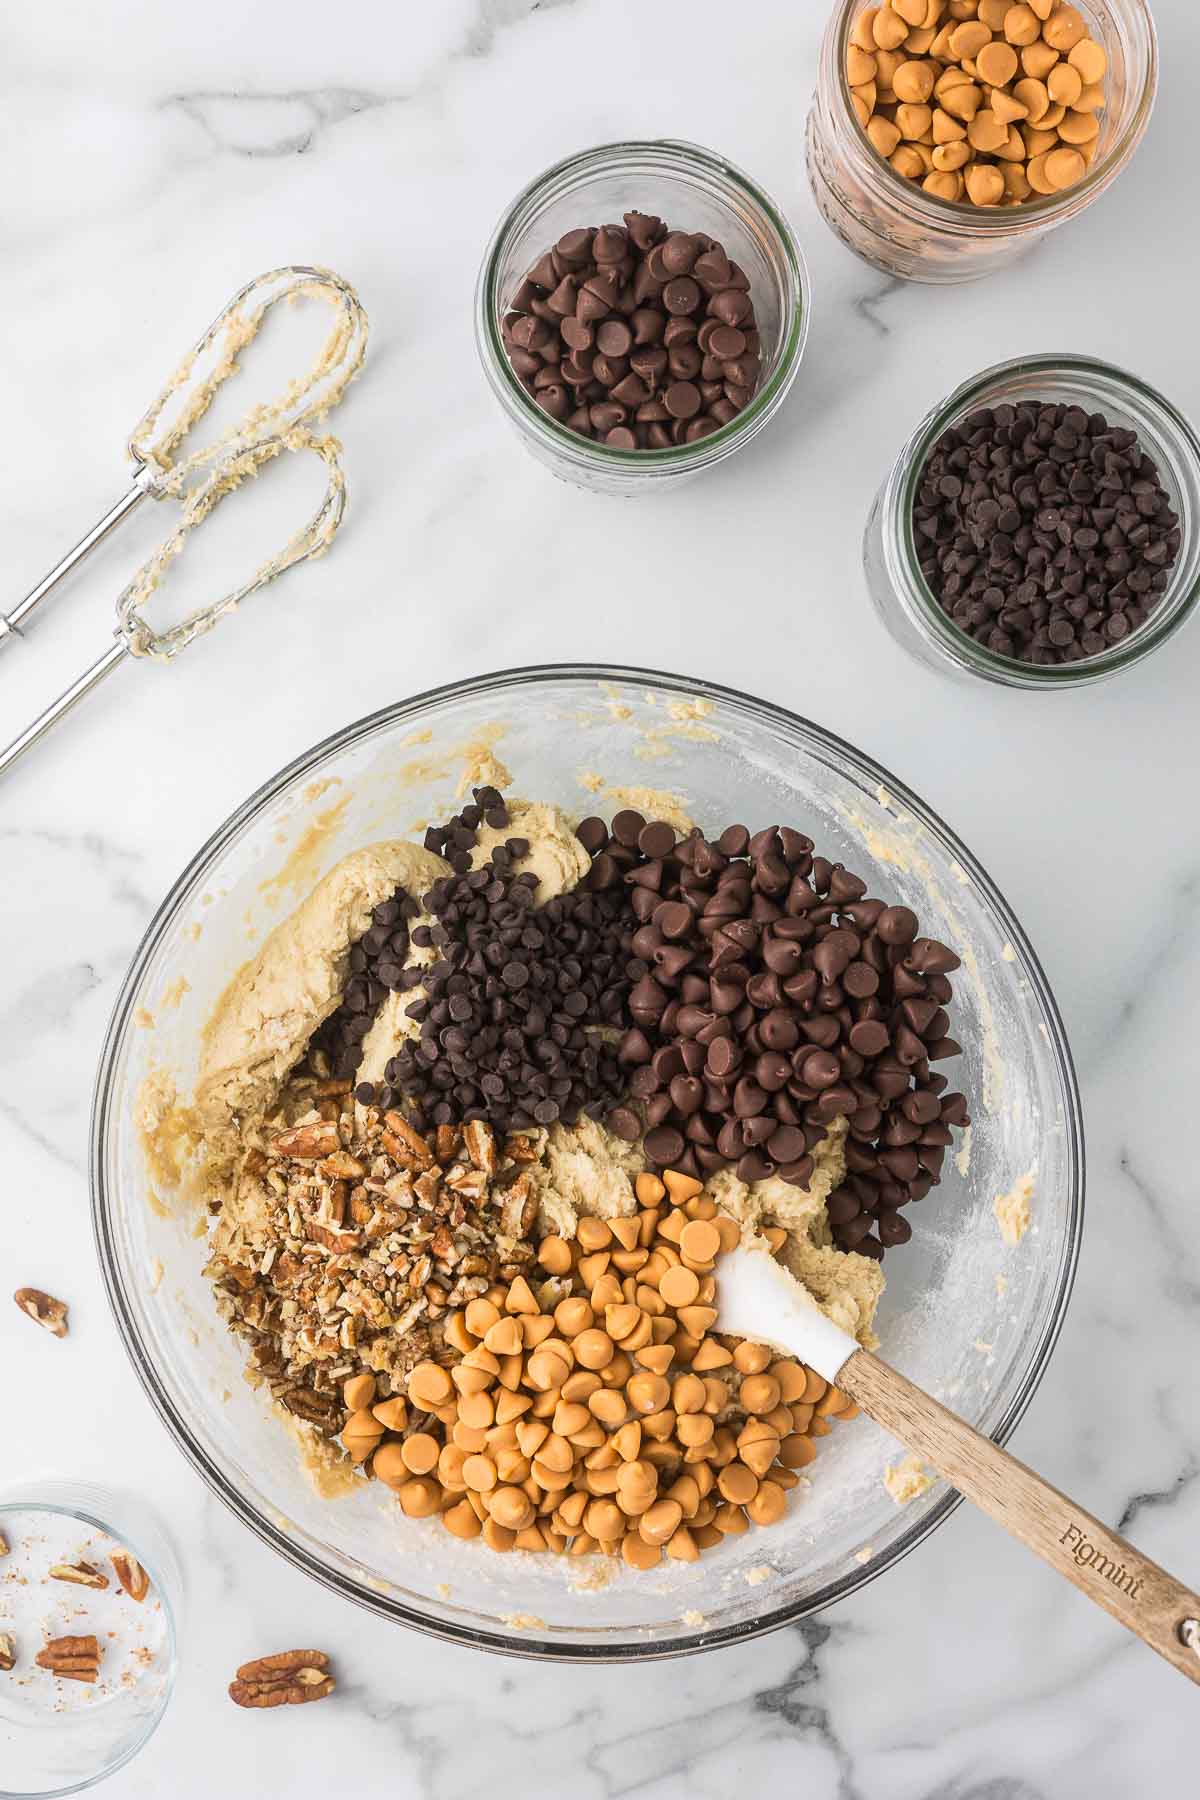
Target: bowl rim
(525,1645)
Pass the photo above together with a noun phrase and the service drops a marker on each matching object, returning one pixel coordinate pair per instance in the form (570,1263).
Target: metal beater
(206,476)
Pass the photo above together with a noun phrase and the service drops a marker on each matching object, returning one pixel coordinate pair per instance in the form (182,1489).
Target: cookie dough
(276,1001)
(1014,1210)
(584,1170)
(907,1479)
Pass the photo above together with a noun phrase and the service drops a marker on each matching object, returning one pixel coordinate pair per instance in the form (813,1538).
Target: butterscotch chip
(1034,97)
(969,38)
(360,1434)
(519,1298)
(1079,129)
(997,64)
(420,1498)
(1064,168)
(638,1553)
(700,1241)
(888,29)
(479,1473)
(751,1359)
(460,1521)
(985,185)
(1038,59)
(796,1451)
(1064,28)
(1022,26)
(504,1338)
(860,66)
(738,1483)
(430,1386)
(358,1392)
(1091,61)
(679,1286)
(554,1255)
(768,1505)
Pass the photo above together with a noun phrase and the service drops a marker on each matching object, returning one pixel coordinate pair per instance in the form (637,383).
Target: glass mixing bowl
(977,1342)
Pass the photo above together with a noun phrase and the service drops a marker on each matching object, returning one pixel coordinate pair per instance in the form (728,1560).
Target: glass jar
(891,222)
(904,598)
(693,190)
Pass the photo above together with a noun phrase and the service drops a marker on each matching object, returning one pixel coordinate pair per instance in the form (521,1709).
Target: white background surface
(157,157)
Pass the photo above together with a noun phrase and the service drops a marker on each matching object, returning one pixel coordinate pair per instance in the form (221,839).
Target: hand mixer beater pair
(202,478)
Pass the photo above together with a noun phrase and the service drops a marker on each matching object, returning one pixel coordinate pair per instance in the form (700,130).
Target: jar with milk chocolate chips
(641,313)
(1041,527)
(946,137)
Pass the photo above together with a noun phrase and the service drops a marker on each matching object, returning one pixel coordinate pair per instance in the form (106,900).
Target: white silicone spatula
(759,1300)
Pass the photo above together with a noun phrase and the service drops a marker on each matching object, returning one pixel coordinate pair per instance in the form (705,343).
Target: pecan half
(405,1143)
(131,1575)
(43,1309)
(308,1143)
(8,1651)
(72,1658)
(82,1574)
(289,1678)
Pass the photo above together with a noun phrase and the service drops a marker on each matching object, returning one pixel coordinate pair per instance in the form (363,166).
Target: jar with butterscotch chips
(947,137)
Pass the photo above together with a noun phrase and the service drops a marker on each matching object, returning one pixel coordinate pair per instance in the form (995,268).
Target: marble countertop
(159,156)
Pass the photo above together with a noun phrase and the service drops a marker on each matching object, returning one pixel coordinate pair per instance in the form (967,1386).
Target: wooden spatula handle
(1151,1603)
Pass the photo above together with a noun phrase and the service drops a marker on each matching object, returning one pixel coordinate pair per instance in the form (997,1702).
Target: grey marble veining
(157,158)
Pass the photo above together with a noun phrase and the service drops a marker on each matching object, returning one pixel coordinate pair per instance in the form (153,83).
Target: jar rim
(585,452)
(996,222)
(1109,383)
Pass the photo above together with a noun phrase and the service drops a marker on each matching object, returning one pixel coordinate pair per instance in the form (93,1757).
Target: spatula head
(758,1299)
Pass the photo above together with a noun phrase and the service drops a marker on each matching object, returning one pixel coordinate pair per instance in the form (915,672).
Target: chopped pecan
(43,1309)
(441,1244)
(521,1149)
(291,1678)
(82,1574)
(480,1145)
(447,1142)
(3,1545)
(339,1242)
(405,1143)
(468,1184)
(519,1207)
(73,1658)
(332,1086)
(343,1166)
(8,1651)
(308,1143)
(428,1186)
(131,1575)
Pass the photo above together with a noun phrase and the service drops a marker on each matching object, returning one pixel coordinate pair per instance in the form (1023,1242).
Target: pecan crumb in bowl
(440,1162)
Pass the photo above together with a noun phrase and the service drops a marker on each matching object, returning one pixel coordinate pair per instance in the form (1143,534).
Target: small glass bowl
(904,598)
(693,190)
(893,224)
(59,1736)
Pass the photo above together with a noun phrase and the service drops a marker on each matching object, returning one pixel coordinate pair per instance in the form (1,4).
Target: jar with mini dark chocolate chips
(692,190)
(905,599)
(893,223)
